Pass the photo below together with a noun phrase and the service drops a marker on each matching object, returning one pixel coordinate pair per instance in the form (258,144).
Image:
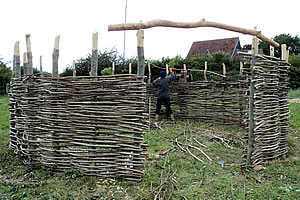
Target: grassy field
(294,93)
(170,172)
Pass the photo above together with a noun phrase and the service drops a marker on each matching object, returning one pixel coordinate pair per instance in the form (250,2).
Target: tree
(294,73)
(105,60)
(5,76)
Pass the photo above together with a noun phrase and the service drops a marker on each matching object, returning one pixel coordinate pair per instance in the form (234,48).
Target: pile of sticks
(223,102)
(93,124)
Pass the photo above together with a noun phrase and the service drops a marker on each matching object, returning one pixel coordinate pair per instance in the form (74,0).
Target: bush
(294,73)
(5,76)
(106,71)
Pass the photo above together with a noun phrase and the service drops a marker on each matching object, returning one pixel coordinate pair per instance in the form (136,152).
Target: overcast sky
(76,20)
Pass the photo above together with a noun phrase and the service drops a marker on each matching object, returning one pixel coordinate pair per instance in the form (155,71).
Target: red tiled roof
(202,47)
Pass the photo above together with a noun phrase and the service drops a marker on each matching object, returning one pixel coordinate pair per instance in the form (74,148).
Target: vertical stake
(251,105)
(205,70)
(272,51)
(25,63)
(140,51)
(130,69)
(29,54)
(41,67)
(283,52)
(241,68)
(74,68)
(113,68)
(55,56)
(16,64)
(224,69)
(167,69)
(184,72)
(94,58)
(149,71)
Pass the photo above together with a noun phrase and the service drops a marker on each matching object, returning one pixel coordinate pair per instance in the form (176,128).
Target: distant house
(228,45)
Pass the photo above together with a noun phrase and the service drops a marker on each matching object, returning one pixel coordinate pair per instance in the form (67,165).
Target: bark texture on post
(25,63)
(74,68)
(16,64)
(140,52)
(55,56)
(94,59)
(29,54)
(251,104)
(283,52)
(41,67)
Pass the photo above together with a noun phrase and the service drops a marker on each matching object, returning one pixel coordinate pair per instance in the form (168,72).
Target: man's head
(162,74)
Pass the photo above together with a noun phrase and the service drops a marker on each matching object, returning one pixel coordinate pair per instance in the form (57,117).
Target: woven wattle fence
(93,124)
(271,111)
(96,124)
(223,102)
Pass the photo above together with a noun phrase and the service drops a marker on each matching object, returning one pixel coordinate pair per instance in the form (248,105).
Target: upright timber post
(140,52)
(149,71)
(16,66)
(130,69)
(251,104)
(74,68)
(241,68)
(272,51)
(41,67)
(167,69)
(283,52)
(184,72)
(205,70)
(55,56)
(149,103)
(94,61)
(224,69)
(29,54)
(113,68)
(25,63)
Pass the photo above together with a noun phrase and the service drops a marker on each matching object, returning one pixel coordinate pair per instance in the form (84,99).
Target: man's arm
(155,83)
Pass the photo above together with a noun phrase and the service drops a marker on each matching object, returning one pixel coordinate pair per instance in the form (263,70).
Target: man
(163,93)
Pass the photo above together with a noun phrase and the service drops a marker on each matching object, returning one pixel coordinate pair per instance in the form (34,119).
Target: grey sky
(75,21)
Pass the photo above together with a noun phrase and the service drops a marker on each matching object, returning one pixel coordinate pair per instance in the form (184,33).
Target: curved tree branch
(202,23)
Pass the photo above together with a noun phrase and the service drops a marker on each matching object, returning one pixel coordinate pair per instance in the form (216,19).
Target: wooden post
(55,56)
(149,71)
(16,64)
(41,67)
(25,63)
(287,55)
(251,106)
(130,69)
(241,68)
(140,52)
(167,69)
(74,68)
(184,72)
(224,69)
(149,103)
(283,52)
(29,54)
(94,59)
(205,70)
(272,51)
(113,68)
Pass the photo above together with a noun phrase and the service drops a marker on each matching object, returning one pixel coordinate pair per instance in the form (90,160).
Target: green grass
(294,93)
(194,179)
(295,115)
